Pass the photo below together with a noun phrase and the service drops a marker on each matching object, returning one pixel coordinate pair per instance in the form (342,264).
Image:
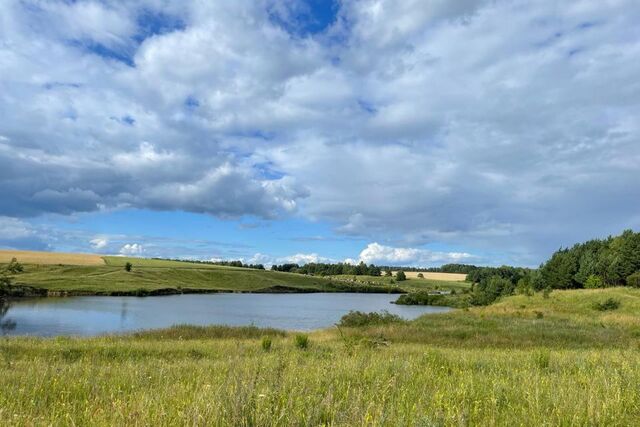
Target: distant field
(34,257)
(150,276)
(446,277)
(93,274)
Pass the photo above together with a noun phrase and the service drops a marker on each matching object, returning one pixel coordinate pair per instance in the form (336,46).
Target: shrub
(301,341)
(634,280)
(608,304)
(128,266)
(266,343)
(359,318)
(419,298)
(420,275)
(400,276)
(594,281)
(388,273)
(14,267)
(546,293)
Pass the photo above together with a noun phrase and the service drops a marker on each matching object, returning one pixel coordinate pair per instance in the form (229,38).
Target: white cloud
(299,258)
(302,259)
(99,243)
(131,249)
(478,123)
(376,253)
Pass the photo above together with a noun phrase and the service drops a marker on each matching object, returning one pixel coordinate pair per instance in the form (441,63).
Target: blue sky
(394,132)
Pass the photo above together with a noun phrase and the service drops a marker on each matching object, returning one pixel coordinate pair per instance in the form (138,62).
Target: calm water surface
(101,315)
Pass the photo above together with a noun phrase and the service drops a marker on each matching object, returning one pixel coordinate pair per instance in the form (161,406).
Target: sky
(392,132)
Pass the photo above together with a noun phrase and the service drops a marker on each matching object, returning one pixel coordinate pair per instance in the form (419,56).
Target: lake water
(101,315)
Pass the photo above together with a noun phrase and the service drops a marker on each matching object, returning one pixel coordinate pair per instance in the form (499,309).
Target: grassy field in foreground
(499,365)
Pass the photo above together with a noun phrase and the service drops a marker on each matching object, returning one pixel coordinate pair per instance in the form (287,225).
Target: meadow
(75,275)
(527,360)
(80,274)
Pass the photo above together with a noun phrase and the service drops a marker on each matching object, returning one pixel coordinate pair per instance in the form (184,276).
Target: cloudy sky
(396,132)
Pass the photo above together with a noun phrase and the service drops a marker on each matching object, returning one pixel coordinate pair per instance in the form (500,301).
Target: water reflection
(102,315)
(6,324)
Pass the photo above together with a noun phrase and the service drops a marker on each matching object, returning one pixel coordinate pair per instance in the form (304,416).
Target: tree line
(235,263)
(445,268)
(326,269)
(614,261)
(597,263)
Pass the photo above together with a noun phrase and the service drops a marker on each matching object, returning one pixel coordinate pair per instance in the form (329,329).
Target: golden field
(35,257)
(447,277)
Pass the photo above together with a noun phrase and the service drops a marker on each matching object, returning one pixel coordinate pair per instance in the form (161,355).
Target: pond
(95,315)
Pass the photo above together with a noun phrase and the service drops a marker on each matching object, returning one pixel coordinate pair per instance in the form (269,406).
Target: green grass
(117,261)
(499,365)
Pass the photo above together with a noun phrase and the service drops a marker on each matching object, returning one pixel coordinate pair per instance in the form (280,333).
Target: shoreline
(25,291)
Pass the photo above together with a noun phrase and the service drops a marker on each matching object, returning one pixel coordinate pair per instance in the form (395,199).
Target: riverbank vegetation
(516,362)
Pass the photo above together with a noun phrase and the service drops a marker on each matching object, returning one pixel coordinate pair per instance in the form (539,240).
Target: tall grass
(111,381)
(496,365)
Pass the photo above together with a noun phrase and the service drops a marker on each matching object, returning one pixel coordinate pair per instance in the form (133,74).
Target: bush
(634,280)
(420,276)
(388,273)
(301,341)
(419,298)
(400,276)
(359,318)
(546,293)
(128,266)
(266,343)
(14,267)
(594,281)
(608,304)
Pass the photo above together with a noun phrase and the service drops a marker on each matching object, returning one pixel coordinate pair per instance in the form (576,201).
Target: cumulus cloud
(99,243)
(376,253)
(299,258)
(131,249)
(479,123)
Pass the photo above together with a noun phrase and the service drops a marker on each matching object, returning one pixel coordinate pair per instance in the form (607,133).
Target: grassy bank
(525,361)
